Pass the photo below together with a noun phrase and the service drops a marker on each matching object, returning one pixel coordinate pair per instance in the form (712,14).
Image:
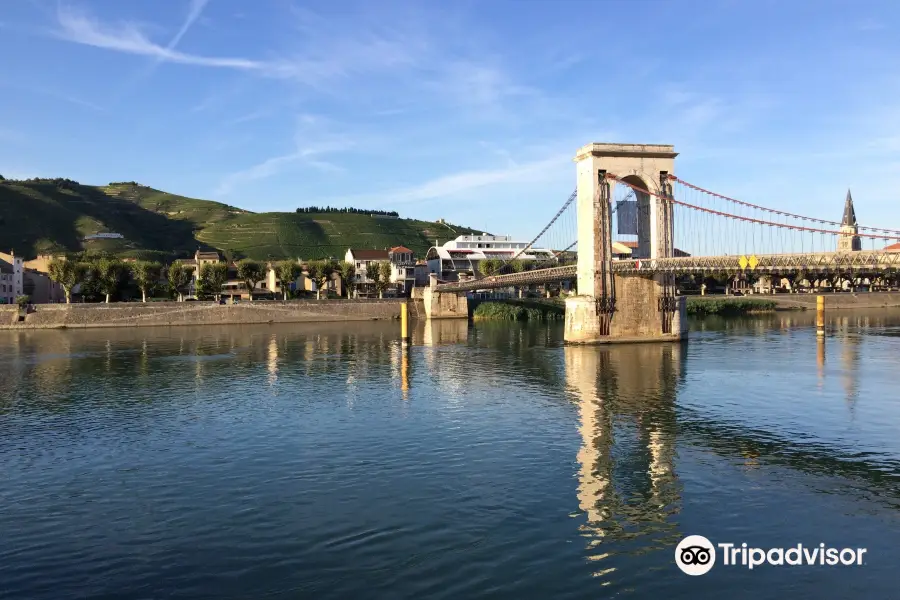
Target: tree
(380,274)
(146,275)
(347,270)
(287,271)
(90,280)
(386,272)
(212,277)
(516,266)
(251,273)
(179,276)
(320,271)
(67,274)
(109,276)
(489,266)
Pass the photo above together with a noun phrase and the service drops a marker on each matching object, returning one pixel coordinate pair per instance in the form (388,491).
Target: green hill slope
(38,216)
(319,235)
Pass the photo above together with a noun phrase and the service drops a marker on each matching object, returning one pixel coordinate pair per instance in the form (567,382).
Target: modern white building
(465,253)
(11,277)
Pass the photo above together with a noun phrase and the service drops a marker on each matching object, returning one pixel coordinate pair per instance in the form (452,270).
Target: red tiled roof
(893,247)
(401,249)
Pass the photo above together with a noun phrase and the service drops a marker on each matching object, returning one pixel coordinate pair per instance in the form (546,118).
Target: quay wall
(833,301)
(137,314)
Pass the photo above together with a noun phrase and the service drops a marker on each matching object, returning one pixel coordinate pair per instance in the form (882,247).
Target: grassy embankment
(536,310)
(704,306)
(42,216)
(518,310)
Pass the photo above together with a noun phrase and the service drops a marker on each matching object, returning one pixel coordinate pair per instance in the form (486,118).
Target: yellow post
(404,323)
(820,356)
(820,315)
(404,372)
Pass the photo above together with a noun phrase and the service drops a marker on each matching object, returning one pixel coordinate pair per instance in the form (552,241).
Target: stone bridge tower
(608,307)
(849,240)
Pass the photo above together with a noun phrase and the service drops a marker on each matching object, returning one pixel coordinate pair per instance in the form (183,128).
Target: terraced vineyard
(41,216)
(321,235)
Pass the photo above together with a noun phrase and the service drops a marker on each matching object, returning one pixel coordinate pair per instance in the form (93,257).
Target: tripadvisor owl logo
(695,555)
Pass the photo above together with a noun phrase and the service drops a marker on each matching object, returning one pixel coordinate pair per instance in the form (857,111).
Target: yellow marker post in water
(404,323)
(820,315)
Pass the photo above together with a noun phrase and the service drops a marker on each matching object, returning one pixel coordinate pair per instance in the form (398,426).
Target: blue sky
(467,110)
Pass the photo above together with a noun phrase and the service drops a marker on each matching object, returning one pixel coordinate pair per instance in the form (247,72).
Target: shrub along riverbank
(518,310)
(700,307)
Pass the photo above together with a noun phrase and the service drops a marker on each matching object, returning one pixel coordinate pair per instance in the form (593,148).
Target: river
(324,461)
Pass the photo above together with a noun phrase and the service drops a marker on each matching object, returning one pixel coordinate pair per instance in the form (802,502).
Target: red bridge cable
(771,210)
(747,219)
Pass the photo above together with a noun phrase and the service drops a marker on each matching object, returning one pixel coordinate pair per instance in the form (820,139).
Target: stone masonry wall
(135,314)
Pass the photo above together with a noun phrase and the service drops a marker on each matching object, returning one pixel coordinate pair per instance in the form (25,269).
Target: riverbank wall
(834,301)
(134,314)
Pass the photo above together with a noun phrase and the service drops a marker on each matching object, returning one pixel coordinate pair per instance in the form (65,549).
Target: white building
(403,269)
(466,252)
(363,261)
(11,277)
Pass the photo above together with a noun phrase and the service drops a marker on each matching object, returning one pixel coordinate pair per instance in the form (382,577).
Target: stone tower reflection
(850,359)
(627,486)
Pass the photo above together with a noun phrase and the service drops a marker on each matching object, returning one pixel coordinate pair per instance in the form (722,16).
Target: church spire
(849,219)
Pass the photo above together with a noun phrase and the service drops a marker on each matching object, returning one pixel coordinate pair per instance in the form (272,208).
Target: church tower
(849,240)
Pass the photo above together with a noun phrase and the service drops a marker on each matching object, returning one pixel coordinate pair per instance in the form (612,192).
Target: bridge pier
(642,312)
(624,308)
(444,305)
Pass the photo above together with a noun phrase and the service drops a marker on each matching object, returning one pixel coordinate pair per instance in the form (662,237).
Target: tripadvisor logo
(696,555)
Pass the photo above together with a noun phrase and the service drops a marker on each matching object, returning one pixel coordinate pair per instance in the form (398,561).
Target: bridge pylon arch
(610,307)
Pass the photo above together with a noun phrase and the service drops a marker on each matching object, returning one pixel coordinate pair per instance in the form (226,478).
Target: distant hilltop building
(104,236)
(849,241)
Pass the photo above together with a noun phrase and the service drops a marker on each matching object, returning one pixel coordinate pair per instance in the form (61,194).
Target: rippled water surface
(485,461)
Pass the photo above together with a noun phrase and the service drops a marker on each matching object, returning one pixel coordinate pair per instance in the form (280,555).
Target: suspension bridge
(637,227)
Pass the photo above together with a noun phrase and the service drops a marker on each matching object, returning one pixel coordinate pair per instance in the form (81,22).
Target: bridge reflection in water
(627,486)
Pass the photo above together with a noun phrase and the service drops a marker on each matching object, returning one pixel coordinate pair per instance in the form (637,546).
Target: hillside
(38,216)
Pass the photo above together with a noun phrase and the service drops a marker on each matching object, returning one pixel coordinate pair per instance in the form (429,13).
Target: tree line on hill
(131,183)
(62,183)
(103,277)
(348,210)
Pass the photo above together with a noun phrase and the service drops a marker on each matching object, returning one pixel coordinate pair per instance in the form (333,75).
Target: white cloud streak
(80,28)
(312,143)
(455,184)
(194,12)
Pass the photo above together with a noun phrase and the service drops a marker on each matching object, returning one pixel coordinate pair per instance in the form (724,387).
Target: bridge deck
(822,263)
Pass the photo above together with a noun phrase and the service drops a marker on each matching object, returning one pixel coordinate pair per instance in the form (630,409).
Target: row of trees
(355,211)
(105,276)
(60,182)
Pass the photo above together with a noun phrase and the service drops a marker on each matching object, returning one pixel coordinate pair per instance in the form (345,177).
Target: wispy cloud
(80,28)
(51,93)
(318,59)
(195,9)
(455,184)
(251,116)
(312,143)
(870,24)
